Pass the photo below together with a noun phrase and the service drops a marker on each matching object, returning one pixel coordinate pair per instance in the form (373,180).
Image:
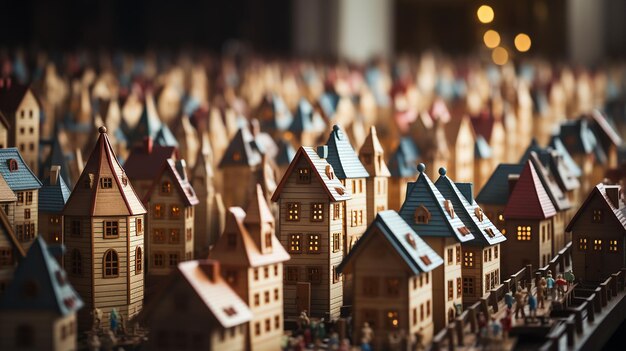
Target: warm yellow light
(522,42)
(491,39)
(485,14)
(500,56)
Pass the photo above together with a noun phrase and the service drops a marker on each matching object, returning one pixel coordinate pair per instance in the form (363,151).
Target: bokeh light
(522,42)
(485,14)
(500,56)
(491,39)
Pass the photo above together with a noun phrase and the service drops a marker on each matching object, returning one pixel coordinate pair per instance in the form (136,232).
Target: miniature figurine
(532,306)
(561,285)
(550,282)
(303,321)
(508,300)
(541,291)
(520,297)
(483,330)
(367,334)
(569,277)
(506,324)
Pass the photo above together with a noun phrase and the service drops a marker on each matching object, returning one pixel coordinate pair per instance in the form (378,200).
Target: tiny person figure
(520,296)
(541,292)
(481,335)
(508,300)
(303,321)
(561,285)
(532,306)
(418,341)
(550,282)
(569,277)
(113,320)
(506,324)
(367,334)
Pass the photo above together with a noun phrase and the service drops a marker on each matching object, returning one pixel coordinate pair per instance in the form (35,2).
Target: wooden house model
(494,195)
(582,145)
(461,138)
(11,252)
(403,169)
(52,198)
(207,221)
(608,138)
(144,163)
(399,294)
(483,161)
(372,157)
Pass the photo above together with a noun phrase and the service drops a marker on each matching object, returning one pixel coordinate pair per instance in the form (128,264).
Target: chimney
(322,151)
(181,168)
(210,268)
(513,178)
(55,171)
(148,144)
(467,190)
(612,192)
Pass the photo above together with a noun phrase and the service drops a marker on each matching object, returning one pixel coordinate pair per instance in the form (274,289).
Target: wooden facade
(372,157)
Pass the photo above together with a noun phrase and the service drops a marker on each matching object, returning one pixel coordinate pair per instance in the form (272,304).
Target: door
(303,297)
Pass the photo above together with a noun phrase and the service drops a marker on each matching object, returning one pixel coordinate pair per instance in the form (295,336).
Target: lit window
(174,236)
(468,259)
(336,242)
(314,243)
(421,215)
(613,246)
(597,216)
(174,211)
(597,244)
(138,260)
(166,187)
(111,264)
(582,244)
(459,287)
(392,320)
(158,211)
(523,233)
(458,254)
(158,236)
(304,176)
(317,212)
(294,243)
(111,229)
(293,211)
(500,217)
(106,183)
(450,256)
(336,211)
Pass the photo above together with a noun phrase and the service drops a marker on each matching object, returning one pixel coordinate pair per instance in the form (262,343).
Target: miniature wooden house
(403,169)
(581,143)
(494,195)
(21,109)
(240,161)
(145,162)
(608,138)
(307,125)
(397,295)
(461,138)
(104,237)
(311,226)
(574,189)
(38,309)
(481,256)
(52,198)
(431,140)
(11,252)
(197,310)
(206,224)
(251,259)
(529,223)
(431,215)
(23,213)
(483,162)
(372,157)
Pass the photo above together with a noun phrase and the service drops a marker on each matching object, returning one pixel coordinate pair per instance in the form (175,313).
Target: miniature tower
(202,181)
(52,198)
(104,226)
(372,156)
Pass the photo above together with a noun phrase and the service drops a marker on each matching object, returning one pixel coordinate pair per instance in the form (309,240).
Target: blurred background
(580,31)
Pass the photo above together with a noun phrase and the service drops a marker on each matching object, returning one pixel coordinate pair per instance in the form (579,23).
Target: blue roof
(149,125)
(21,179)
(423,192)
(396,230)
(342,157)
(242,150)
(496,190)
(52,198)
(558,145)
(165,137)
(303,118)
(40,284)
(328,102)
(482,150)
(403,161)
(285,154)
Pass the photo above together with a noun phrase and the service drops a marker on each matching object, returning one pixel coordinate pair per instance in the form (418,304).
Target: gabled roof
(604,130)
(145,162)
(177,170)
(21,179)
(11,97)
(529,199)
(285,154)
(7,229)
(558,198)
(274,113)
(577,137)
(482,150)
(423,193)
(413,250)
(496,190)
(149,124)
(6,194)
(54,193)
(242,151)
(403,161)
(305,118)
(328,101)
(619,213)
(558,145)
(58,157)
(165,137)
(40,284)
(342,157)
(84,200)
(554,161)
(466,209)
(372,147)
(334,189)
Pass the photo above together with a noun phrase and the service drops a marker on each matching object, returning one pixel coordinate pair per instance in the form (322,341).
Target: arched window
(111,264)
(77,262)
(24,336)
(12,165)
(138,260)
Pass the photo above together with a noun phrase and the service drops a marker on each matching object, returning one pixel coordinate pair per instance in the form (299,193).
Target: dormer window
(230,311)
(268,240)
(409,238)
(236,156)
(479,214)
(330,173)
(166,187)
(490,232)
(426,260)
(304,175)
(421,215)
(447,204)
(12,164)
(463,230)
(106,183)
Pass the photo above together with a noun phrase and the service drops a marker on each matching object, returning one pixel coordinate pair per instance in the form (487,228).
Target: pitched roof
(577,137)
(529,199)
(6,194)
(558,198)
(483,125)
(7,229)
(342,157)
(453,127)
(242,150)
(279,116)
(40,284)
(22,178)
(619,213)
(403,161)
(84,200)
(496,190)
(149,123)
(328,101)
(11,97)
(412,249)
(334,189)
(145,162)
(372,147)
(605,131)
(558,145)
(54,193)
(304,118)
(482,150)
(423,193)
(177,169)
(165,137)
(554,161)
(466,208)
(285,154)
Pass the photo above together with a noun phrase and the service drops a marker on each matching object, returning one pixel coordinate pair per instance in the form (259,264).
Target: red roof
(529,199)
(144,165)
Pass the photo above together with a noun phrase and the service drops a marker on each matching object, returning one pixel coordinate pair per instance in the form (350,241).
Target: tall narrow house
(52,198)
(239,163)
(104,226)
(251,260)
(311,209)
(207,228)
(433,217)
(372,157)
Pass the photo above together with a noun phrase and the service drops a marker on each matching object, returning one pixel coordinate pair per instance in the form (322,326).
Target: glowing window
(523,233)
(317,212)
(293,211)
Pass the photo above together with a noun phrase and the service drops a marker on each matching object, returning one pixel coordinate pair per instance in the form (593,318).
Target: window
(370,286)
(139,225)
(166,187)
(158,211)
(158,259)
(428,308)
(27,213)
(138,260)
(421,312)
(29,197)
(487,282)
(158,236)
(111,229)
(268,325)
(353,218)
(495,251)
(291,274)
(304,176)
(317,212)
(450,290)
(314,243)
(447,204)
(336,242)
(597,216)
(597,244)
(173,259)
(111,264)
(414,315)
(106,183)
(266,297)
(293,211)
(468,259)
(523,233)
(450,255)
(174,236)
(276,295)
(12,165)
(6,257)
(31,147)
(294,243)
(257,325)
(276,322)
(421,215)
(463,230)
(393,286)
(468,286)
(336,211)
(20,198)
(458,254)
(174,211)
(267,239)
(459,287)
(76,262)
(314,275)
(336,275)
(582,244)
(613,246)
(490,233)
(392,320)
(478,212)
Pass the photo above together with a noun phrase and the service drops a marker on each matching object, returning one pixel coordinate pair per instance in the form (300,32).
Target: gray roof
(342,157)
(558,145)
(496,190)
(396,231)
(556,195)
(21,179)
(403,162)
(52,198)
(554,161)
(244,144)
